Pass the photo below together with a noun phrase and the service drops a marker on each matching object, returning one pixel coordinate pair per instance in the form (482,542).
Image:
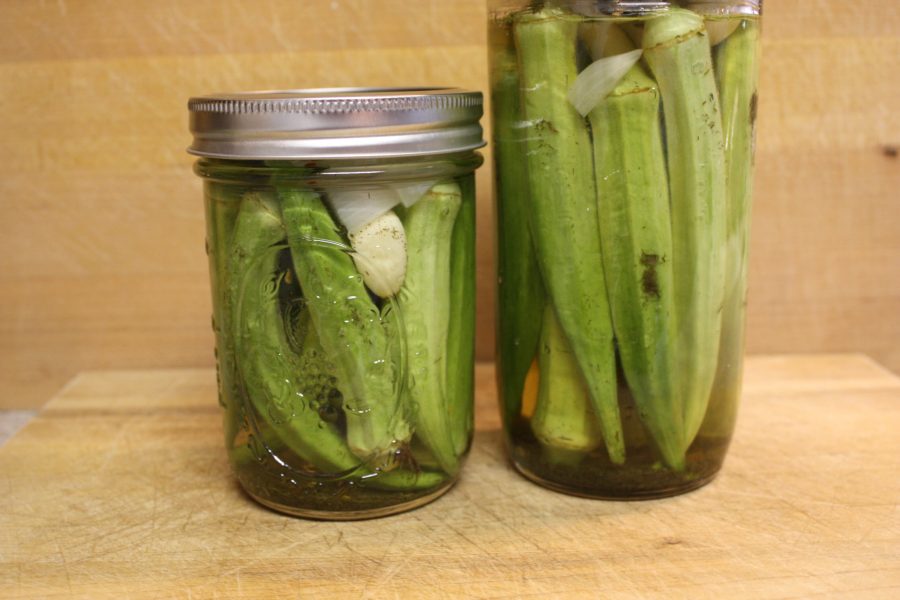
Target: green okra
(277,380)
(314,440)
(460,364)
(520,291)
(423,307)
(350,328)
(636,235)
(563,418)
(678,53)
(736,71)
(563,209)
(223,201)
(737,68)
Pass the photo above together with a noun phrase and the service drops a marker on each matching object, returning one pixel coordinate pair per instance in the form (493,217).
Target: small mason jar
(623,146)
(340,236)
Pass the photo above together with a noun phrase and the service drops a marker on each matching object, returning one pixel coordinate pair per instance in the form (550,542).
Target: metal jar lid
(629,8)
(726,8)
(635,8)
(336,123)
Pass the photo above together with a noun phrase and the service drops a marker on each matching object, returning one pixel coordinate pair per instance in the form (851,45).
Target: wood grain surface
(120,489)
(101,242)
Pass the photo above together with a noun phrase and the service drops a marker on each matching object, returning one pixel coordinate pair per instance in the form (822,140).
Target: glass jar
(623,144)
(340,236)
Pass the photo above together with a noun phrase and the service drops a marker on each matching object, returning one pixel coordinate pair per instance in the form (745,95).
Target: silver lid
(336,123)
(635,8)
(628,8)
(726,8)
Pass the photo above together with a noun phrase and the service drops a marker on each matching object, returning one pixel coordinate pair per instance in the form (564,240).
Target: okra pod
(678,53)
(736,74)
(350,329)
(223,201)
(276,379)
(636,235)
(563,418)
(424,311)
(563,209)
(460,364)
(736,62)
(520,291)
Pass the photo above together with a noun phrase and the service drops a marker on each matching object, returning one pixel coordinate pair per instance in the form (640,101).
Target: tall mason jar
(340,236)
(623,146)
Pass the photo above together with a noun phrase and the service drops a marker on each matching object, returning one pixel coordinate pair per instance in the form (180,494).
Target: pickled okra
(425,314)
(562,208)
(329,381)
(736,75)
(353,333)
(459,368)
(563,419)
(677,49)
(520,291)
(635,228)
(637,219)
(288,384)
(270,369)
(222,204)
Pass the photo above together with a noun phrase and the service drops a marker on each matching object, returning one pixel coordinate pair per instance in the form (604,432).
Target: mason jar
(623,146)
(340,236)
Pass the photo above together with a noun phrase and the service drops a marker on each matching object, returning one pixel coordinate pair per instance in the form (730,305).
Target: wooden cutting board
(120,489)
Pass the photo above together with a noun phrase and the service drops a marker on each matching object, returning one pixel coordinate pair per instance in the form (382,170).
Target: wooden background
(101,234)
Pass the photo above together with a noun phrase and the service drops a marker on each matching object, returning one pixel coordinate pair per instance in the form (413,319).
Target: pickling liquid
(644,474)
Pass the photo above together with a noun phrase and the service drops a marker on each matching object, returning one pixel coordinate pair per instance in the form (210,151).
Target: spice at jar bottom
(623,143)
(340,237)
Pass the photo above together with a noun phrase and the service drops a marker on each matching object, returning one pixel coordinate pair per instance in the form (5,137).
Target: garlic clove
(380,253)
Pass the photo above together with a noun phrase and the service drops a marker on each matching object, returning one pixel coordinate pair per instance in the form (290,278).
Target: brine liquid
(644,474)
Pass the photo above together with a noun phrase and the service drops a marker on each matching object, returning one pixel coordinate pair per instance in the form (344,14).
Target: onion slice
(600,78)
(356,208)
(412,192)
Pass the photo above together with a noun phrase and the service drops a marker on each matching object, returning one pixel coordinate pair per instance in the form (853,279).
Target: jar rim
(640,8)
(336,123)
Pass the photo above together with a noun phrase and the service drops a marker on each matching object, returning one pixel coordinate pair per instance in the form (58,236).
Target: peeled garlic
(380,253)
